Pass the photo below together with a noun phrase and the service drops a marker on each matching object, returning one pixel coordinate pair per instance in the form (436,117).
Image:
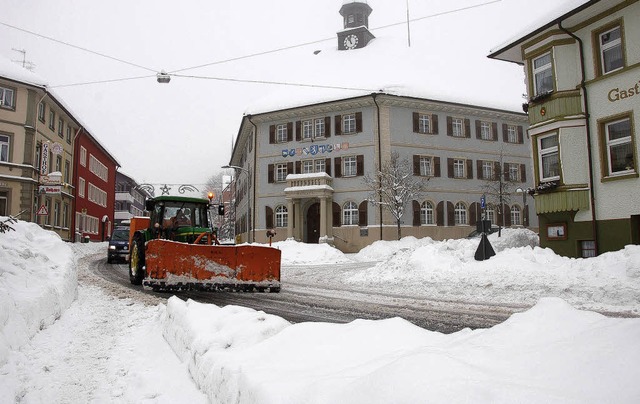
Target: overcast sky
(182,132)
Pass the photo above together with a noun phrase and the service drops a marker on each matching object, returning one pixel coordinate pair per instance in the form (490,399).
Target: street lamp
(524,204)
(244,170)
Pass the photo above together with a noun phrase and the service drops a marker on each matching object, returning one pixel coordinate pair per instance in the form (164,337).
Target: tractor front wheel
(136,260)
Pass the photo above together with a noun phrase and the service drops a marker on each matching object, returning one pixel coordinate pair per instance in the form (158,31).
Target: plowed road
(299,302)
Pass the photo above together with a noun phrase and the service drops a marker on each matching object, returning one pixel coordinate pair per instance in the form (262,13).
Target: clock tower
(355,14)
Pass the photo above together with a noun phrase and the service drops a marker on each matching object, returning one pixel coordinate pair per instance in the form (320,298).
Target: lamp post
(524,204)
(244,170)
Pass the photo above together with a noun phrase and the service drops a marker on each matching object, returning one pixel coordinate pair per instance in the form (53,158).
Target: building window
(426,213)
(59,163)
(512,134)
(457,127)
(485,131)
(424,123)
(320,127)
(47,205)
(587,248)
(97,195)
(549,158)
(60,127)
(307,166)
(350,166)
(490,214)
(611,50)
(350,213)
(56,214)
(458,168)
(41,112)
(68,134)
(307,129)
(282,216)
(514,172)
(81,187)
(4,148)
(426,166)
(281,133)
(542,74)
(515,215)
(67,171)
(281,172)
(83,156)
(3,204)
(99,169)
(460,213)
(7,98)
(487,170)
(52,120)
(349,123)
(619,147)
(320,165)
(65,216)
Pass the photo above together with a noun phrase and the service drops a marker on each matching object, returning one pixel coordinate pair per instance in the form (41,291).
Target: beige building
(583,81)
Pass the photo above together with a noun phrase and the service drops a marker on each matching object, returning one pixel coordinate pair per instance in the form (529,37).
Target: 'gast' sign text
(617,94)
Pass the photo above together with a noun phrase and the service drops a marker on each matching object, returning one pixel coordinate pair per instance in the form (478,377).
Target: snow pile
(552,353)
(38,281)
(296,253)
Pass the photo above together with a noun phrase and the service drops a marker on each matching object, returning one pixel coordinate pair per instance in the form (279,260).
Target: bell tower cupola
(356,34)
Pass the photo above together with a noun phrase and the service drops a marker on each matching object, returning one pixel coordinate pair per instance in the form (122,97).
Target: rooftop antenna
(25,63)
(408,27)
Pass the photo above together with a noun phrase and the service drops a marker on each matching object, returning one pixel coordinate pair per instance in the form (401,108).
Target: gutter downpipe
(253,189)
(374,95)
(583,86)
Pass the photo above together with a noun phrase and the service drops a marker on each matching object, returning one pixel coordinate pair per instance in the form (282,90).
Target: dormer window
(542,75)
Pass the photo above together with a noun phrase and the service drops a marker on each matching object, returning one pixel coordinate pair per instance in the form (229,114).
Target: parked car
(118,245)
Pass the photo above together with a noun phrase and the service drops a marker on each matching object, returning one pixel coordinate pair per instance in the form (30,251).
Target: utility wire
(76,47)
(282,83)
(102,81)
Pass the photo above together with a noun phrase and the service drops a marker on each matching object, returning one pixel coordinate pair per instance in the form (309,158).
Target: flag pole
(408,28)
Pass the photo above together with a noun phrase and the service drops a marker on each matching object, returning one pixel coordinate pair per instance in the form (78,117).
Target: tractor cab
(178,218)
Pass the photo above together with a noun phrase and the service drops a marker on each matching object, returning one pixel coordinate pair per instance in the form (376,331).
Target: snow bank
(38,280)
(552,353)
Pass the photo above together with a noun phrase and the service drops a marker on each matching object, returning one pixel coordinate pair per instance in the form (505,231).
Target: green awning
(562,201)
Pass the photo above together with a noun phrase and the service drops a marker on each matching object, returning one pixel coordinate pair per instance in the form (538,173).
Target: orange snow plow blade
(179,266)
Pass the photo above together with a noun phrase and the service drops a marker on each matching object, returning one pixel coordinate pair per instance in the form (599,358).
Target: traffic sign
(482,202)
(42,211)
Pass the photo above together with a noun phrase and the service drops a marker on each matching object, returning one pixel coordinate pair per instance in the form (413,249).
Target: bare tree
(213,184)
(498,190)
(393,186)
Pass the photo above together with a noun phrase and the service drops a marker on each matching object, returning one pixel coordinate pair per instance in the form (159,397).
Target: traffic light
(221,210)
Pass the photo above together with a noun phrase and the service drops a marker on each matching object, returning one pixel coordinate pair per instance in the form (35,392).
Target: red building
(95,183)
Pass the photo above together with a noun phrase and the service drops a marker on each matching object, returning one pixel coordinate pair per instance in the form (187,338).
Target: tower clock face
(350,41)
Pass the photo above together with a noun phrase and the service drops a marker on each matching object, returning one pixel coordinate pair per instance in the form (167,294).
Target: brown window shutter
(337,166)
(473,213)
(327,166)
(268,214)
(298,131)
(272,134)
(289,131)
(479,170)
(507,215)
(336,215)
(499,216)
(436,168)
(416,165)
(434,124)
(416,213)
(270,173)
(358,122)
(496,170)
(337,123)
(451,217)
(520,135)
(467,127)
(360,165)
(505,172)
(440,214)
(505,132)
(416,125)
(298,167)
(470,169)
(478,130)
(327,126)
(289,168)
(362,214)
(450,167)
(494,131)
(449,126)
(523,173)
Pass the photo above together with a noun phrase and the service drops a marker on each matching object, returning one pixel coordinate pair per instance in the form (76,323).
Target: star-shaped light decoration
(165,189)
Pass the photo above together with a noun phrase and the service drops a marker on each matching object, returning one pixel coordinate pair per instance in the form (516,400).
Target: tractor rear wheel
(136,260)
